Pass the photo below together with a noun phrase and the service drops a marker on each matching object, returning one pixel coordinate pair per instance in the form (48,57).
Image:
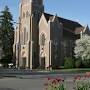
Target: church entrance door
(24,62)
(42,63)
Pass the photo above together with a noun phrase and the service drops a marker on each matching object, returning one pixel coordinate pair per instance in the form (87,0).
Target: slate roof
(68,24)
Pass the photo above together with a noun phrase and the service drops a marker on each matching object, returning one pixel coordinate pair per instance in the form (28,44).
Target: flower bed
(80,82)
(54,84)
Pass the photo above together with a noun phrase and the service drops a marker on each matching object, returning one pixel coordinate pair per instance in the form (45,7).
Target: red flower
(54,82)
(87,74)
(49,78)
(59,79)
(78,77)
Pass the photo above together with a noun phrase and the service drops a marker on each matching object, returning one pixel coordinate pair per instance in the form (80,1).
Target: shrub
(86,63)
(69,63)
(78,63)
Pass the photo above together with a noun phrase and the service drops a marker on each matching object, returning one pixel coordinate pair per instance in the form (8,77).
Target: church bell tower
(32,7)
(28,34)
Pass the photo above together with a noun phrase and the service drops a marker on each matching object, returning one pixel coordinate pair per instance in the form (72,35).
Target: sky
(76,10)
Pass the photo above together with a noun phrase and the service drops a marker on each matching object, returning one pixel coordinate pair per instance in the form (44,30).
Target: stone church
(41,39)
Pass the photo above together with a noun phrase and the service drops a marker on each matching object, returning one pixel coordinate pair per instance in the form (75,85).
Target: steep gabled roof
(68,24)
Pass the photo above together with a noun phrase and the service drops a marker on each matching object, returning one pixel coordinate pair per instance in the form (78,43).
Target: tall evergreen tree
(6,35)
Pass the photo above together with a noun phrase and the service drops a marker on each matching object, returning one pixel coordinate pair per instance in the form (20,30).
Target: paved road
(21,84)
(33,82)
(27,84)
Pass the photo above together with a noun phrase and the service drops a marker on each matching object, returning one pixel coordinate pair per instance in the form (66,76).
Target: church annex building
(41,39)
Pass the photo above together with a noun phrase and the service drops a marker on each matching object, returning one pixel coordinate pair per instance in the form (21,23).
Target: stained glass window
(42,39)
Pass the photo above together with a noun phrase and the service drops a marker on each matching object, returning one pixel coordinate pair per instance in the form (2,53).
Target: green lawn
(81,70)
(74,70)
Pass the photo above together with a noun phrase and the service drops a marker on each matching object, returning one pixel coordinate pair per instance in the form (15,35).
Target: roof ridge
(69,24)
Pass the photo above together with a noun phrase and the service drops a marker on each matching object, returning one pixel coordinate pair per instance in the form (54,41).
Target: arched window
(25,38)
(27,14)
(24,35)
(42,39)
(23,15)
(21,37)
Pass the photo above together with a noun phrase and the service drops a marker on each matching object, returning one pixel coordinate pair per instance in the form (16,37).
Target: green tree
(69,62)
(6,35)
